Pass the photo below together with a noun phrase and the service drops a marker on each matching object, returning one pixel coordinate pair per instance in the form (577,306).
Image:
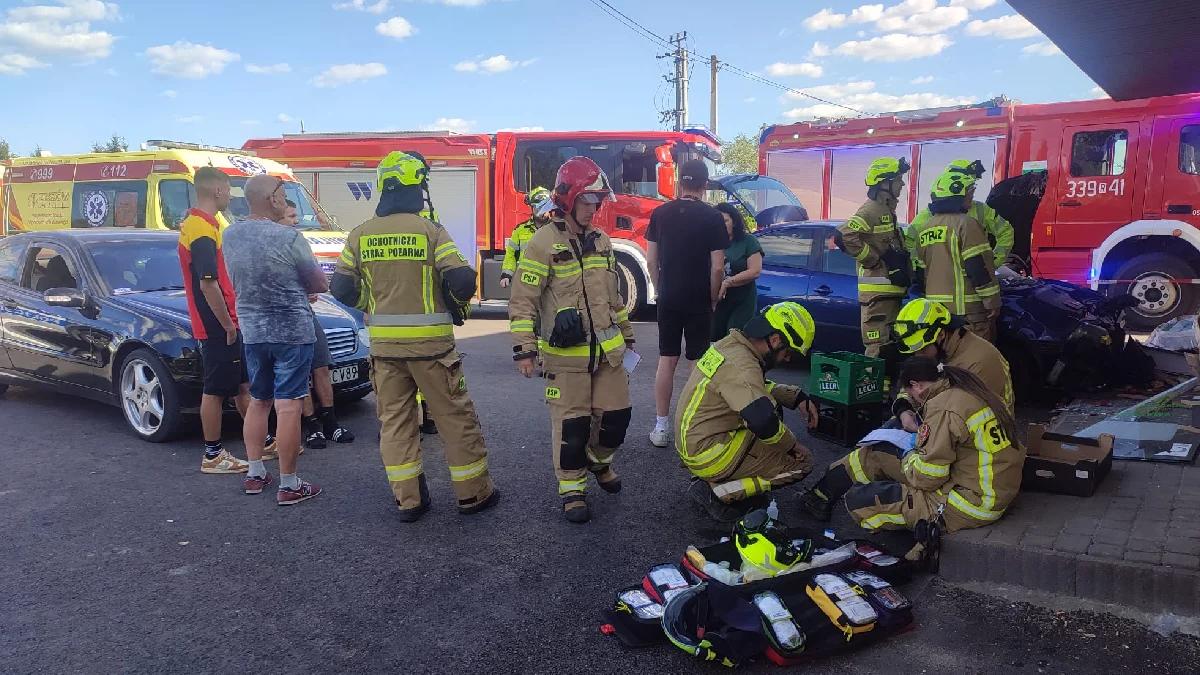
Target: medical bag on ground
(636,618)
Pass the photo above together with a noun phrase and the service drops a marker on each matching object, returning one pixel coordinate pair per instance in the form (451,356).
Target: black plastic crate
(846,424)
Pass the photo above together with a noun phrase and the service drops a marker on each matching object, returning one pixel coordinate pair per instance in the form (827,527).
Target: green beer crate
(846,377)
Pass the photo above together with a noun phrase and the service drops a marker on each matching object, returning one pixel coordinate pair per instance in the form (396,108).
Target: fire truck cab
(1121,207)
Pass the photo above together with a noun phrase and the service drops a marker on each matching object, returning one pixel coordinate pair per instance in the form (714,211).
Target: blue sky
(76,71)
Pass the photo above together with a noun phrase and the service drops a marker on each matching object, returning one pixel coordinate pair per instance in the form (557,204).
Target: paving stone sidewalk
(1136,542)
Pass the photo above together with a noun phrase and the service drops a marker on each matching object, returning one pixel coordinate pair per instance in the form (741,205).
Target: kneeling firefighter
(568,277)
(728,431)
(957,265)
(408,275)
(873,238)
(926,328)
(962,473)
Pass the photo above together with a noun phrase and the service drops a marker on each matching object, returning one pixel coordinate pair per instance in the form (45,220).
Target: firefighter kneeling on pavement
(963,471)
(568,277)
(728,426)
(405,271)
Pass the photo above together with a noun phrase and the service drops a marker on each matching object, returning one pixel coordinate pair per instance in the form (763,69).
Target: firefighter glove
(898,264)
(460,310)
(568,329)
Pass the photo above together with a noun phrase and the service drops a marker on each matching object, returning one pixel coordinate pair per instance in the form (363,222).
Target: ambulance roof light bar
(176,145)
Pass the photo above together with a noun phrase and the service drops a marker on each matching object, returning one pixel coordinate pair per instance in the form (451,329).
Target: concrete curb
(1151,588)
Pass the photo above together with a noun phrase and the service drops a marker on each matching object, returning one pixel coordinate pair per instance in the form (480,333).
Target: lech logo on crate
(828,383)
(867,385)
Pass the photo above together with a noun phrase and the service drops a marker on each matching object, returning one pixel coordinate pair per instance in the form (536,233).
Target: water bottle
(773,510)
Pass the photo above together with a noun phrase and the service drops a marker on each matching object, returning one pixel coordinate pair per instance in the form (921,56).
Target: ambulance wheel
(630,285)
(1152,284)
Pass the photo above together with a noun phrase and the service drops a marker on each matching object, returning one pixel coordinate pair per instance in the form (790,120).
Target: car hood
(172,305)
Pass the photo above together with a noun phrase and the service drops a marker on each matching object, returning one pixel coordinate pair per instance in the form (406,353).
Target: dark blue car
(102,314)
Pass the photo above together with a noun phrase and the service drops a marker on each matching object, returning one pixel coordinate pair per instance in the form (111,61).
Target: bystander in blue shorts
(279,371)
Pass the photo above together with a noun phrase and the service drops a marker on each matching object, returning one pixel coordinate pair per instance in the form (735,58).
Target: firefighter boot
(428,426)
(702,493)
(484,505)
(817,505)
(414,514)
(576,510)
(608,480)
(818,502)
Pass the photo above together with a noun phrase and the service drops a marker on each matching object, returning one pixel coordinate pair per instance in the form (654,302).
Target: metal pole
(712,104)
(683,75)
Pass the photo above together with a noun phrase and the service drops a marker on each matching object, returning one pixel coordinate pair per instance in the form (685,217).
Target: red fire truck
(478,183)
(1121,208)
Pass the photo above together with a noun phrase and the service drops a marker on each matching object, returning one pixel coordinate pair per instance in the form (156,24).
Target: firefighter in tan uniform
(874,239)
(926,328)
(999,231)
(963,472)
(567,276)
(728,431)
(957,265)
(407,274)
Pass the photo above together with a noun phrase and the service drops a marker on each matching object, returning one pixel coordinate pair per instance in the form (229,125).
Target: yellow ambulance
(151,189)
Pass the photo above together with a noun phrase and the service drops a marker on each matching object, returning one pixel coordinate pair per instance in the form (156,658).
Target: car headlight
(364,337)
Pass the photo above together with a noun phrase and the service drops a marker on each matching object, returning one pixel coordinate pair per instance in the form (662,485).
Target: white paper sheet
(897,437)
(631,360)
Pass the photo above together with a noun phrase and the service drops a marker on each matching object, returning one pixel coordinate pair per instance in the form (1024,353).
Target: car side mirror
(67,297)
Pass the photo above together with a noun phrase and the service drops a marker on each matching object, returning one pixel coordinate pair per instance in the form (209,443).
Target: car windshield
(760,193)
(312,216)
(138,266)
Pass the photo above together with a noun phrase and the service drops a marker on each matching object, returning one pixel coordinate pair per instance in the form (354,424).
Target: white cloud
(1097,92)
(454,124)
(752,99)
(491,65)
(824,20)
(936,20)
(188,60)
(1010,27)
(111,72)
(925,79)
(791,69)
(895,47)
(861,95)
(62,30)
(336,76)
(867,14)
(284,117)
(396,27)
(1042,49)
(190,119)
(973,5)
(268,70)
(360,5)
(521,130)
(819,49)
(170,93)
(17,64)
(250,123)
(456,3)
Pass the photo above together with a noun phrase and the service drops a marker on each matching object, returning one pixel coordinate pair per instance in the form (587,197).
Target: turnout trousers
(444,389)
(877,495)
(589,415)
(763,468)
(877,315)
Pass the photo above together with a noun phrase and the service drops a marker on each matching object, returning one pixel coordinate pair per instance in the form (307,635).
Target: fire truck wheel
(631,286)
(1152,283)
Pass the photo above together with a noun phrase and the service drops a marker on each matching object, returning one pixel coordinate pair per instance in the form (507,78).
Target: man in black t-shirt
(686,256)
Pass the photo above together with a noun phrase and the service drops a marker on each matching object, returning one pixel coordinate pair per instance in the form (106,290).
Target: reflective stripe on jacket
(944,244)
(866,236)
(515,245)
(399,261)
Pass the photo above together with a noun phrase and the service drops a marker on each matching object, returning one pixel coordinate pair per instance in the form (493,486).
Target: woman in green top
(743,264)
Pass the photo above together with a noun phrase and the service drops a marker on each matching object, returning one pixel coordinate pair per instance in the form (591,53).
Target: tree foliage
(36,151)
(741,156)
(114,144)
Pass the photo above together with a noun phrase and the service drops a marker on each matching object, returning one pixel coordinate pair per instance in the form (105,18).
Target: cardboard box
(1064,464)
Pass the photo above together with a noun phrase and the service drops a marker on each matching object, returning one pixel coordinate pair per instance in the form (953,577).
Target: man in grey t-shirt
(273,272)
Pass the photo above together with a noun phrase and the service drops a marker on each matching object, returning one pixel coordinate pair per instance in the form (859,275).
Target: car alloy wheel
(142,397)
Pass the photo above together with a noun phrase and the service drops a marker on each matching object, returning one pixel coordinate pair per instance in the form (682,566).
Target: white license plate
(344,374)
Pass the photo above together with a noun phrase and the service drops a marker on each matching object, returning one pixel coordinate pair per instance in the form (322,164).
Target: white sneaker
(660,438)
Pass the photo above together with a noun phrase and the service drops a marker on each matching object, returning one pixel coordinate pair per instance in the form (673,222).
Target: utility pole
(715,65)
(680,56)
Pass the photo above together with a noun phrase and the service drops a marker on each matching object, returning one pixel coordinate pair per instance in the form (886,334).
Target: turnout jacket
(560,270)
(869,235)
(959,268)
(994,225)
(514,245)
(727,405)
(962,453)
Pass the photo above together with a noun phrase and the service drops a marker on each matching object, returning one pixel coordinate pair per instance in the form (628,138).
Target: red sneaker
(287,496)
(255,484)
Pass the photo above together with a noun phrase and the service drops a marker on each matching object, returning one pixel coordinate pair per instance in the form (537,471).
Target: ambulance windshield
(312,216)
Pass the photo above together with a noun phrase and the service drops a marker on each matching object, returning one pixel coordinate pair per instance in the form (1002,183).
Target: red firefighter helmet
(580,177)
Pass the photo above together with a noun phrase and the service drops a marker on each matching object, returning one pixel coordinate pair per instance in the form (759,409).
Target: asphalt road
(119,556)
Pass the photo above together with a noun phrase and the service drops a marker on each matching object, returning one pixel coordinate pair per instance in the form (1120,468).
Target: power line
(632,24)
(762,80)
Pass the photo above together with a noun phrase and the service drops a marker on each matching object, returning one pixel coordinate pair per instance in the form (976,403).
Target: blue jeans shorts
(279,371)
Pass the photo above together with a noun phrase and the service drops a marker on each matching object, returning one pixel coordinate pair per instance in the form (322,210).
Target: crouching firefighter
(874,239)
(926,328)
(567,276)
(407,274)
(957,265)
(728,426)
(963,471)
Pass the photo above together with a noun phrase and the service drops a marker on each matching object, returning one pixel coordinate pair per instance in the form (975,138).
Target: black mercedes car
(102,314)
